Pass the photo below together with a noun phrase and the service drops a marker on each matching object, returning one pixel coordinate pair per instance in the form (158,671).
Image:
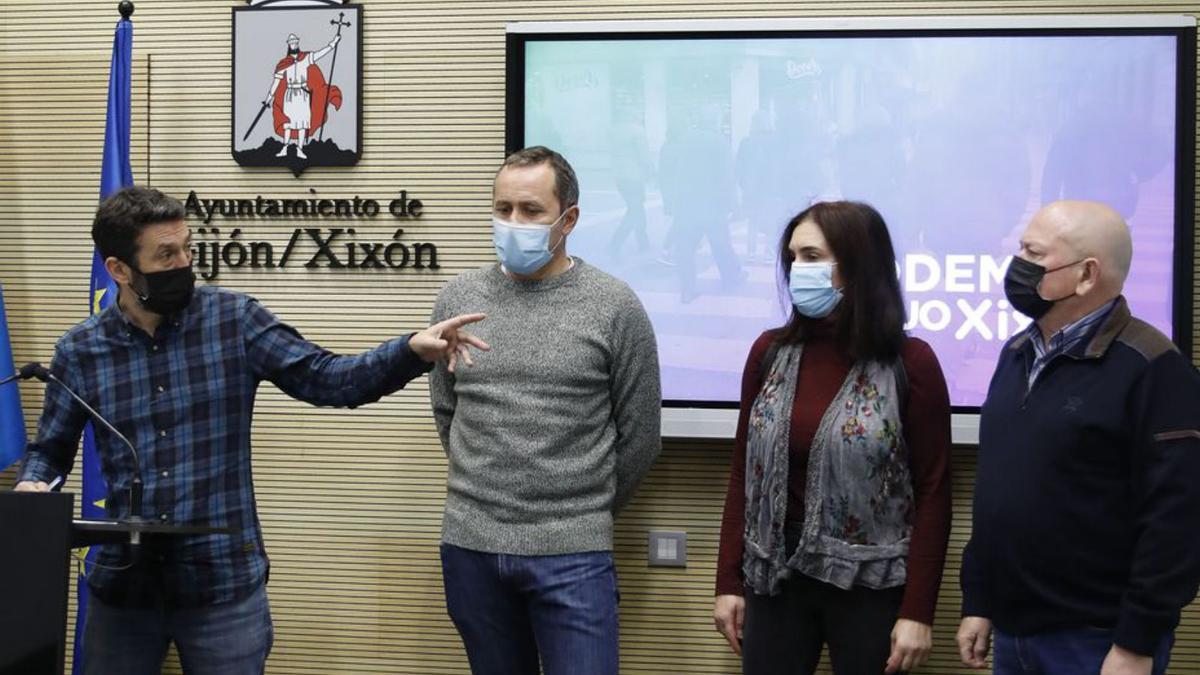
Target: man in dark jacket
(1084,545)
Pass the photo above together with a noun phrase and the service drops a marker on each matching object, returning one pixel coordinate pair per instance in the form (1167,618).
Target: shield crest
(297,84)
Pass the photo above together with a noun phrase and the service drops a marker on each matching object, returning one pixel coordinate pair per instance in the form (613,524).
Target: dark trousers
(688,229)
(634,222)
(783,634)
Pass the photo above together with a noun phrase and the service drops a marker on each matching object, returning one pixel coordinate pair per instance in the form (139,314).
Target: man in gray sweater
(548,436)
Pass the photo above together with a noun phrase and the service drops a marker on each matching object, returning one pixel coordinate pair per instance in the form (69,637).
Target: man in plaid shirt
(175,369)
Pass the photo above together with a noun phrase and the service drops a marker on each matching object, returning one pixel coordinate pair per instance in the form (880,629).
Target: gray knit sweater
(549,433)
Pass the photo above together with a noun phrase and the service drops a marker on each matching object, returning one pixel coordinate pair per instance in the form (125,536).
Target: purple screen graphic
(692,155)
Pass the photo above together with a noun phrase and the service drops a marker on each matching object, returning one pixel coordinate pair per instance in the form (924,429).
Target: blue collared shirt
(185,398)
(1064,340)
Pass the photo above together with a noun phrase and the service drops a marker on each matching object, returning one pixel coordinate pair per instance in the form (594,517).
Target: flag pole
(115,173)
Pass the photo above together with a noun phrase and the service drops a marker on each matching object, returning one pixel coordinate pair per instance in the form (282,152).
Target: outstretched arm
(305,371)
(319,54)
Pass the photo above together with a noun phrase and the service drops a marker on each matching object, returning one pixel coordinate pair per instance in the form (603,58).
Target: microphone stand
(87,532)
(135,487)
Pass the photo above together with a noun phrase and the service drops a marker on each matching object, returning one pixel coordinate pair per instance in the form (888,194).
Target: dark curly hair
(121,218)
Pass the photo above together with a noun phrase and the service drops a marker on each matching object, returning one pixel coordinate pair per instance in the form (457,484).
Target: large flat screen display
(694,148)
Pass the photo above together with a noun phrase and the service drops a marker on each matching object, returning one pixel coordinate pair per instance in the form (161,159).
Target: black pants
(688,229)
(783,634)
(634,222)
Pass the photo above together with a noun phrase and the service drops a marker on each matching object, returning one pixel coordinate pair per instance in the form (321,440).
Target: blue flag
(12,423)
(115,173)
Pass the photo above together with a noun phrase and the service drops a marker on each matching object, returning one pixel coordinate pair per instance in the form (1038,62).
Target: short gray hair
(566,185)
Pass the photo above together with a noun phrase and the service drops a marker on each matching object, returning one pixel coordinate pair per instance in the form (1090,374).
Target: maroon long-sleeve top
(926,420)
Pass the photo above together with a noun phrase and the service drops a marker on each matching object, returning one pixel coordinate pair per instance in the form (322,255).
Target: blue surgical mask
(811,288)
(524,249)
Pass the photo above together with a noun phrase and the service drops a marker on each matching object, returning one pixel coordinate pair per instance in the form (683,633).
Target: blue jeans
(228,639)
(1069,652)
(509,609)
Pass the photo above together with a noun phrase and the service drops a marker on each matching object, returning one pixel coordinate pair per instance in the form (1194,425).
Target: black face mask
(166,292)
(1021,283)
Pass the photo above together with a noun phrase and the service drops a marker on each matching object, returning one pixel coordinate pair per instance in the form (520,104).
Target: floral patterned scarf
(858,494)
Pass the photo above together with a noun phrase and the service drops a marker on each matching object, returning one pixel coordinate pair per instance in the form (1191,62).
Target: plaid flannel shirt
(185,399)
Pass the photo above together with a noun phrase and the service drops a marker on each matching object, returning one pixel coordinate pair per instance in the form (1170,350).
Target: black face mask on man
(165,292)
(1021,283)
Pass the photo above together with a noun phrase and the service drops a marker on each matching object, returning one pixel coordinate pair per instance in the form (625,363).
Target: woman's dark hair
(869,321)
(121,218)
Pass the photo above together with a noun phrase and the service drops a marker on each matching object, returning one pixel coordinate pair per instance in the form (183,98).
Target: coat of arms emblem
(297,84)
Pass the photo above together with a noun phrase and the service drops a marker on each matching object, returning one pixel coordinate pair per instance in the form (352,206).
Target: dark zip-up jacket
(1087,496)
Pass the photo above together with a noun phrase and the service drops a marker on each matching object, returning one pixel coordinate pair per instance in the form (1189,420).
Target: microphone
(27,372)
(39,372)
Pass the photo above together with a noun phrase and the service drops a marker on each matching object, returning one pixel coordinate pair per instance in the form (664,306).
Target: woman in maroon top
(874,615)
